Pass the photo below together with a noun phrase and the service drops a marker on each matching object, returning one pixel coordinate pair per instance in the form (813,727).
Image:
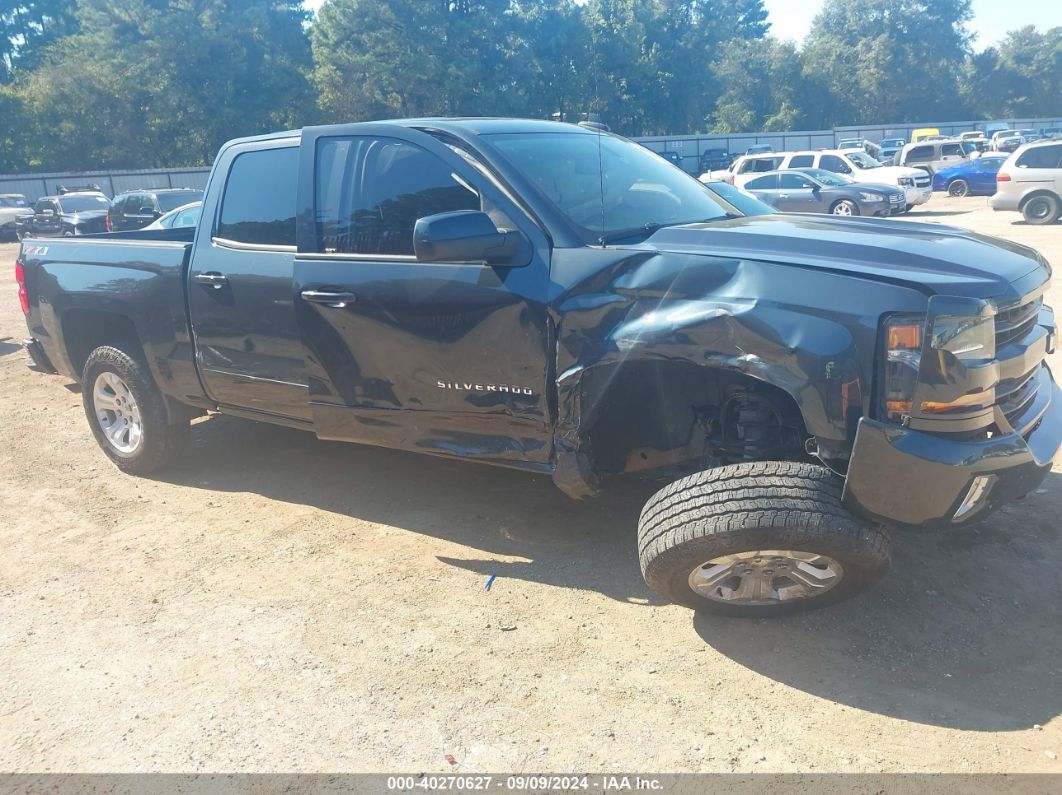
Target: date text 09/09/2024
(522,783)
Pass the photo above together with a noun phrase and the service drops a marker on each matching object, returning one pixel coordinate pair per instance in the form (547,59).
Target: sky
(791,19)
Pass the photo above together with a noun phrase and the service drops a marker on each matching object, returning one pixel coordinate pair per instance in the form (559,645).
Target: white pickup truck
(855,165)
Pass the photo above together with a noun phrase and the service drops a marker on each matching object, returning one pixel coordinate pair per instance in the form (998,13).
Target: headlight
(903,358)
(871,197)
(905,182)
(956,343)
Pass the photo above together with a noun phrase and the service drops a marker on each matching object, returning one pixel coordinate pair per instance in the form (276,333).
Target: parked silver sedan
(815,190)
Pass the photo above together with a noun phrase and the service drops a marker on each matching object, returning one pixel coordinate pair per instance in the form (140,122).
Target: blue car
(976,177)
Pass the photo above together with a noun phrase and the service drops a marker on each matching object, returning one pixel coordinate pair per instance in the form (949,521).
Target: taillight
(730,179)
(23,296)
(107,222)
(1001,177)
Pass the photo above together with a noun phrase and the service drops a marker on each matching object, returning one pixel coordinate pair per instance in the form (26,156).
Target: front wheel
(958,188)
(1041,209)
(759,539)
(845,207)
(128,414)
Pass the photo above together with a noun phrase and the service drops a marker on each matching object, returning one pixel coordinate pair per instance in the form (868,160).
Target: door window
(835,164)
(770,182)
(795,182)
(951,150)
(761,164)
(258,207)
(1041,157)
(370,192)
(801,161)
(920,154)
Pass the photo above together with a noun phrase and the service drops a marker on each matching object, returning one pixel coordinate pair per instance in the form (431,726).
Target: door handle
(337,299)
(211,279)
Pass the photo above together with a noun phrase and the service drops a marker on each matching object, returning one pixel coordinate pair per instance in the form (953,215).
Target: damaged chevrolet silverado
(561,300)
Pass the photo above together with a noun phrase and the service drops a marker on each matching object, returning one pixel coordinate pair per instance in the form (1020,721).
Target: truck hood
(931,258)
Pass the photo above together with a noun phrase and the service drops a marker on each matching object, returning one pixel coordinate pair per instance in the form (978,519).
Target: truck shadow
(7,345)
(582,545)
(962,633)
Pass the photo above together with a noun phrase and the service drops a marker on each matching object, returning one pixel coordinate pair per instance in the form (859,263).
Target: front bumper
(907,477)
(916,195)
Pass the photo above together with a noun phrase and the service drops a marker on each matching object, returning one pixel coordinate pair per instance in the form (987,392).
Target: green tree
(381,58)
(764,87)
(1022,77)
(553,45)
(27,27)
(889,60)
(165,82)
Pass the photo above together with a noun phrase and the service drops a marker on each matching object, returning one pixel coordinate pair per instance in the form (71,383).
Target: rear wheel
(759,539)
(128,414)
(1042,209)
(958,188)
(845,207)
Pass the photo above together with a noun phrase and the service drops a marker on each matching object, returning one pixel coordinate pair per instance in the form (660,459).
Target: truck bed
(132,280)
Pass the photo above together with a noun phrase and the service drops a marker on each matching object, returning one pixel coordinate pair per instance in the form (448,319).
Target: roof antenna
(593,123)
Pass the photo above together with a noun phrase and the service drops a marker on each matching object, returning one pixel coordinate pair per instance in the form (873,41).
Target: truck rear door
(444,357)
(247,342)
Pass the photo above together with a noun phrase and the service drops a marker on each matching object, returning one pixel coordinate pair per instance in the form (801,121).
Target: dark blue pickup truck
(561,300)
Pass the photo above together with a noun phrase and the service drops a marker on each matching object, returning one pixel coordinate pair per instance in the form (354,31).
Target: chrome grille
(922,181)
(1014,323)
(1015,396)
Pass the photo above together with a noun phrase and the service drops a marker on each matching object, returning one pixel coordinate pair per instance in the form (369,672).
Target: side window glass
(258,206)
(834,164)
(951,150)
(1041,157)
(801,161)
(794,182)
(763,183)
(370,192)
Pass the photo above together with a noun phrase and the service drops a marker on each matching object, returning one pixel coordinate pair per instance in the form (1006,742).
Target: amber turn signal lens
(977,400)
(906,337)
(896,409)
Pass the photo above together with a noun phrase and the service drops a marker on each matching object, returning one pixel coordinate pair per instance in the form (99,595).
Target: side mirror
(468,236)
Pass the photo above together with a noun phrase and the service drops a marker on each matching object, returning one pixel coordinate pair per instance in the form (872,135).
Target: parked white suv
(12,207)
(856,165)
(1030,181)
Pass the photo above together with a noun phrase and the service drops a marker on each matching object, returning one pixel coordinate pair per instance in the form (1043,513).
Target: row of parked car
(850,182)
(83,210)
(855,167)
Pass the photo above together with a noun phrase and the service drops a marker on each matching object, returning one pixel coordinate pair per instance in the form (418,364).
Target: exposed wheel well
(84,330)
(1037,193)
(679,416)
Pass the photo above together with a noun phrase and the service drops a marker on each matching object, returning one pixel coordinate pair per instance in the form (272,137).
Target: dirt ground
(277,603)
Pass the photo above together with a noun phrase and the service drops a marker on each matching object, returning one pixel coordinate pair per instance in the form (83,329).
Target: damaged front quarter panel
(806,332)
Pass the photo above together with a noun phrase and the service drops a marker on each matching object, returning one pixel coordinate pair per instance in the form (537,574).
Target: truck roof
(470,125)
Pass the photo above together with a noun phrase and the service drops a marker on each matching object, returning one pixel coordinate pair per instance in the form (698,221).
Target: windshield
(606,185)
(892,142)
(12,201)
(80,204)
(860,160)
(827,177)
